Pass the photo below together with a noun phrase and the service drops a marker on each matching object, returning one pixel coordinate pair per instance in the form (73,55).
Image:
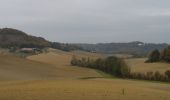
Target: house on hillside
(30,50)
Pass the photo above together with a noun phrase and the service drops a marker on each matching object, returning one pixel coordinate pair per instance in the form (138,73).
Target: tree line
(117,67)
(152,76)
(65,46)
(111,65)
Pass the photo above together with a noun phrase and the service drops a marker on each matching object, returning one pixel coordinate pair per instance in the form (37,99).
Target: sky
(89,21)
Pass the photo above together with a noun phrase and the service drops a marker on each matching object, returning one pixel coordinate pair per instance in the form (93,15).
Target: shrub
(157,76)
(149,75)
(154,56)
(165,54)
(167,73)
(74,61)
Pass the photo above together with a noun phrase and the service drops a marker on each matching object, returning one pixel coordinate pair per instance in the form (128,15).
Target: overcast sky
(89,21)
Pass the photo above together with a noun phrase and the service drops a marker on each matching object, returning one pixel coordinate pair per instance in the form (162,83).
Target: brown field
(74,89)
(139,65)
(50,77)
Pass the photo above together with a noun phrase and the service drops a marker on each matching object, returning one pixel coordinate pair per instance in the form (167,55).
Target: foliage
(15,38)
(135,48)
(165,54)
(65,47)
(167,73)
(156,76)
(154,56)
(112,65)
(117,67)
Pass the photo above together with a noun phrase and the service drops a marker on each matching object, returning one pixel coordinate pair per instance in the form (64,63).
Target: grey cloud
(89,20)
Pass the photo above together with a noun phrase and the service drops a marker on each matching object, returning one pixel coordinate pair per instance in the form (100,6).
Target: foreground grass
(95,89)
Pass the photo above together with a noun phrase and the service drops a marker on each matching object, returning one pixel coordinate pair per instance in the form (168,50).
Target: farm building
(30,50)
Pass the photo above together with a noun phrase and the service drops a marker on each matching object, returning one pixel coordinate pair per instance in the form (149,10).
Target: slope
(14,38)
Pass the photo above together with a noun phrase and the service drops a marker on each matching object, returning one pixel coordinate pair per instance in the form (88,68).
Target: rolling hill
(49,76)
(134,48)
(52,65)
(14,38)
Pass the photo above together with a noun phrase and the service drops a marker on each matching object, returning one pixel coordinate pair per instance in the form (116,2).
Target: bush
(165,55)
(167,73)
(154,56)
(74,61)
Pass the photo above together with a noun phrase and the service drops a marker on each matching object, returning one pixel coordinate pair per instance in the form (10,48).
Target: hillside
(49,76)
(15,38)
(135,48)
(52,65)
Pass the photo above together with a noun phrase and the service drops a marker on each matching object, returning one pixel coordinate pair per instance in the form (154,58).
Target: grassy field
(139,65)
(96,89)
(44,66)
(50,77)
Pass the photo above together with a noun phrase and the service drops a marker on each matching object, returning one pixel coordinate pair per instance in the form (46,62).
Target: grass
(139,65)
(85,78)
(94,89)
(105,75)
(50,77)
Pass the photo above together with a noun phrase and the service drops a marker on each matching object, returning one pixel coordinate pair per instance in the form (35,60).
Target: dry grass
(98,89)
(61,61)
(47,66)
(50,77)
(139,65)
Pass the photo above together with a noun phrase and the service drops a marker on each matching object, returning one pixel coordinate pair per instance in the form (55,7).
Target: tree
(154,56)
(167,73)
(157,76)
(165,54)
(74,60)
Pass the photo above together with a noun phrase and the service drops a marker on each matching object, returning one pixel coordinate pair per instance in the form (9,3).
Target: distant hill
(65,46)
(15,38)
(135,48)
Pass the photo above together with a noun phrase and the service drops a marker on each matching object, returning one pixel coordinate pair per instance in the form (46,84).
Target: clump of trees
(156,56)
(111,65)
(165,54)
(152,76)
(167,73)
